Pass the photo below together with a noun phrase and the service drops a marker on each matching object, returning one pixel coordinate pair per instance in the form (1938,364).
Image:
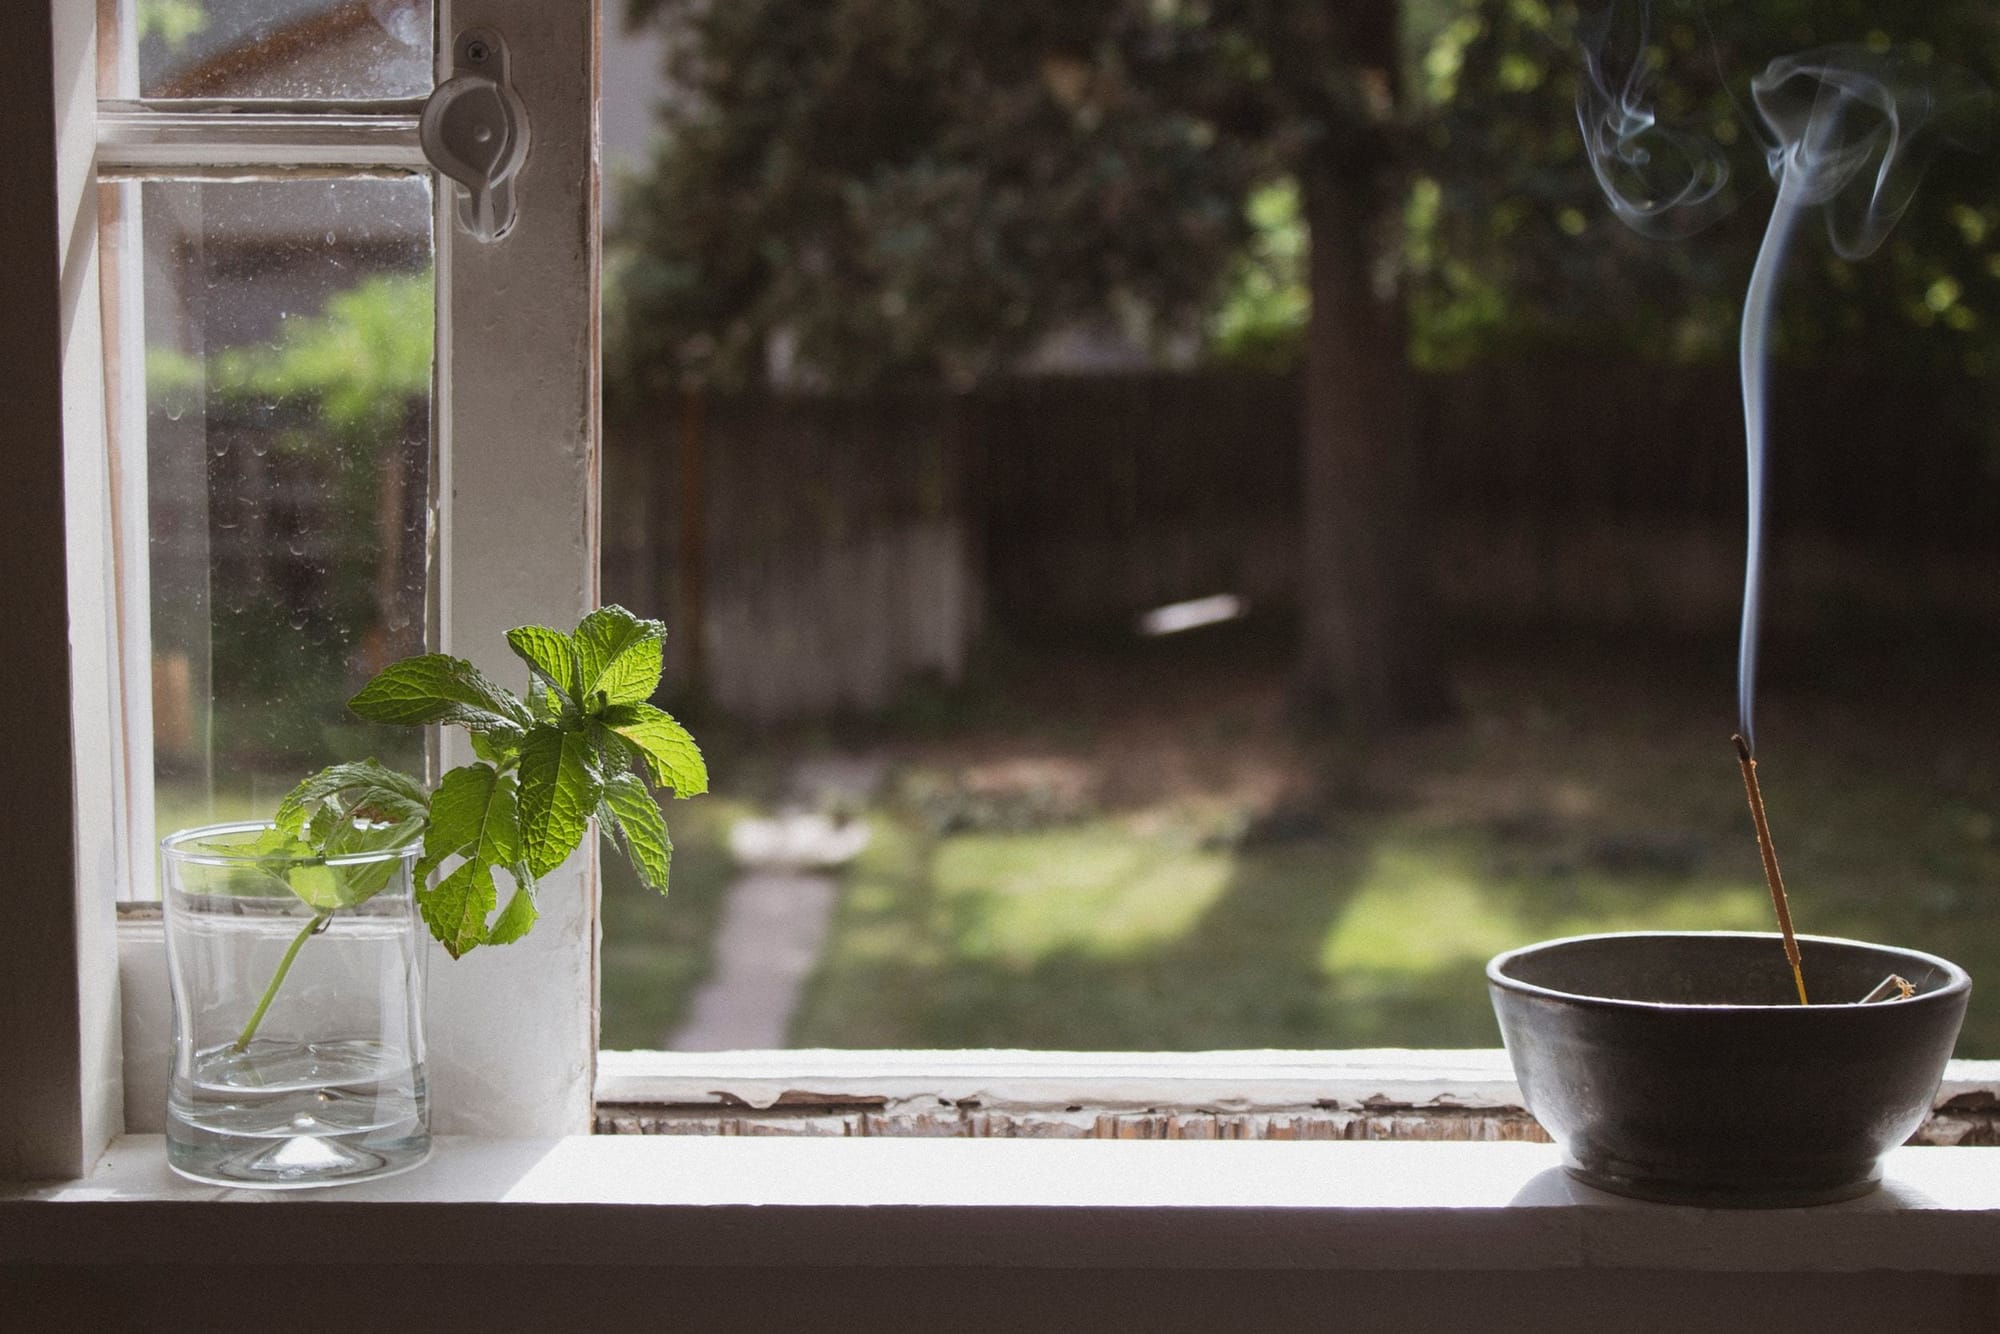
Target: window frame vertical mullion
(516,543)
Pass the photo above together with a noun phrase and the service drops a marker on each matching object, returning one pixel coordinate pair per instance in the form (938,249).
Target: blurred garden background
(1185,523)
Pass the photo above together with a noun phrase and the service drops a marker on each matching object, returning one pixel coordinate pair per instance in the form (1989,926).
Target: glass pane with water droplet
(338,49)
(287,369)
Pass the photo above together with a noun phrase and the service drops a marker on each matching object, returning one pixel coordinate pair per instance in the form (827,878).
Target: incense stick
(1770,855)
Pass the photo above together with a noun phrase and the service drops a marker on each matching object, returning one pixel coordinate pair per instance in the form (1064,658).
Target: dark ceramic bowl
(1679,1066)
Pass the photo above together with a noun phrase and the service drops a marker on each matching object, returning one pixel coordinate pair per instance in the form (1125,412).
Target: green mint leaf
(273,843)
(549,705)
(549,654)
(325,823)
(614,753)
(499,749)
(276,852)
(641,830)
(348,810)
(671,754)
(315,885)
(560,787)
(381,793)
(455,908)
(515,919)
(438,688)
(475,814)
(618,654)
(360,881)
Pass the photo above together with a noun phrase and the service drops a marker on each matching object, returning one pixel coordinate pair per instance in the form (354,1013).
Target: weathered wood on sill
(1484,1124)
(1950,1125)
(1352,1095)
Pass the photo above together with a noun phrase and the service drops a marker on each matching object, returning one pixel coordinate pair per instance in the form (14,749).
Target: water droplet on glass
(330,238)
(260,447)
(220,448)
(298,621)
(296,548)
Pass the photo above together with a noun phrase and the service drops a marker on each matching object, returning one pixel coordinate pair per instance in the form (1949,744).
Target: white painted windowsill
(619,1200)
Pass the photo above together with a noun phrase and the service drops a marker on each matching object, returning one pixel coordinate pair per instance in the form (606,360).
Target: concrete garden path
(776,914)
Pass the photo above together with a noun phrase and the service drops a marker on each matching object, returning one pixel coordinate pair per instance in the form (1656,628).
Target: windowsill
(726,1202)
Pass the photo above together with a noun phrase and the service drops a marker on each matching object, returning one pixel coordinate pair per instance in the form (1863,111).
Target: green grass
(1100,937)
(1560,802)
(181,805)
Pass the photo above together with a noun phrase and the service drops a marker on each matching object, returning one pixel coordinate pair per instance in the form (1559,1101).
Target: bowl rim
(1958,981)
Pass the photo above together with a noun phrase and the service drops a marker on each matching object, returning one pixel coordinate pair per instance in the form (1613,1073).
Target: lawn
(1136,849)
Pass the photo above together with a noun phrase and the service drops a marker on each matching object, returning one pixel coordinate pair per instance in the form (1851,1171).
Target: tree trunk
(1370,661)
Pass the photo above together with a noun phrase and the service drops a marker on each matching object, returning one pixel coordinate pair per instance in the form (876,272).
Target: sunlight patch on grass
(1416,915)
(1094,889)
(1423,907)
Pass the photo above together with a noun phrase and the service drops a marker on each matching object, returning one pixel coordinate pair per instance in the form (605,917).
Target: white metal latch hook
(475,130)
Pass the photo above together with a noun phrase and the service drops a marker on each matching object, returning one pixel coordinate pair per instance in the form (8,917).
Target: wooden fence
(811,555)
(829,549)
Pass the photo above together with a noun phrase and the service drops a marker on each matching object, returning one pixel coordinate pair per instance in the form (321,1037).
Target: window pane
(281,48)
(1015,433)
(287,335)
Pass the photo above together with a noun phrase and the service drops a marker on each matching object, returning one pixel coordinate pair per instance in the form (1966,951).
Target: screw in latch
(477,51)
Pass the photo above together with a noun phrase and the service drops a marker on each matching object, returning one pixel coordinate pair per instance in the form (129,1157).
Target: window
(247,179)
(919,427)
(223,148)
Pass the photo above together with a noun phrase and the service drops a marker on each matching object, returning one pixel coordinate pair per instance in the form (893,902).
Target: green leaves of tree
(544,766)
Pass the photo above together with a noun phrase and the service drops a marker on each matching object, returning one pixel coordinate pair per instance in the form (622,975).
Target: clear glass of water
(298,989)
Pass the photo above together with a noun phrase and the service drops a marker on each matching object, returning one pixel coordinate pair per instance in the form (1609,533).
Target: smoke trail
(1852,129)
(1661,181)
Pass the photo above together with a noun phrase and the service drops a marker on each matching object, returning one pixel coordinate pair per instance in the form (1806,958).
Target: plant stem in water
(312,928)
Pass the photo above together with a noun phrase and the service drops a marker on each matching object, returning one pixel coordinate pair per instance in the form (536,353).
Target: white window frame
(83,1004)
(514,1034)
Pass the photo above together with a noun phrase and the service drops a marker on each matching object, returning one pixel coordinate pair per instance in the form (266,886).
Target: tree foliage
(893,189)
(1511,241)
(860,191)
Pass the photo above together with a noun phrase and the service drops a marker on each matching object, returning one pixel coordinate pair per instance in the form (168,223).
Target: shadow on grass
(1373,932)
(1249,971)
(1587,787)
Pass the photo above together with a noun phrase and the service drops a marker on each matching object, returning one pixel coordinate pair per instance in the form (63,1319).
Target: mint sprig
(584,741)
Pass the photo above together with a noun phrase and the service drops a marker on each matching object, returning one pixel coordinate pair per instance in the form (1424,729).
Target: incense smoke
(1661,182)
(1852,128)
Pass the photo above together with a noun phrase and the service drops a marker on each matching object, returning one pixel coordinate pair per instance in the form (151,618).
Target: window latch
(475,130)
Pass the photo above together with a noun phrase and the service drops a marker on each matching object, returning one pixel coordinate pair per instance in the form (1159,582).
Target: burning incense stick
(1770,855)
